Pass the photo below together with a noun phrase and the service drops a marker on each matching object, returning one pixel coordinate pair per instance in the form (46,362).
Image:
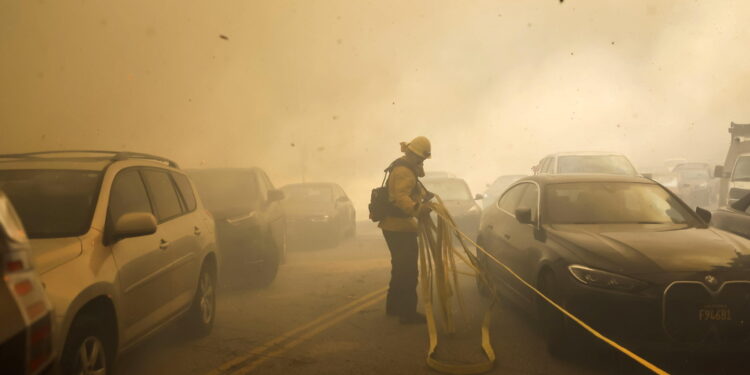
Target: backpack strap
(403,163)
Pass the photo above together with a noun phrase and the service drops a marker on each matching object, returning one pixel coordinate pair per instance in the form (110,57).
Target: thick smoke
(325,90)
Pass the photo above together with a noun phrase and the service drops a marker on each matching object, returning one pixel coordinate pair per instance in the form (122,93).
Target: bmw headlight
(604,279)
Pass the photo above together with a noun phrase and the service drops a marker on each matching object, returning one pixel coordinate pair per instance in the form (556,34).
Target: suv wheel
(268,268)
(89,349)
(202,312)
(353,230)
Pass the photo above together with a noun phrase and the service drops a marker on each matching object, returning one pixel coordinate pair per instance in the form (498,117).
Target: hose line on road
(437,263)
(439,274)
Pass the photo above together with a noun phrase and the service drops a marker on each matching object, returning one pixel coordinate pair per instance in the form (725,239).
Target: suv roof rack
(115,155)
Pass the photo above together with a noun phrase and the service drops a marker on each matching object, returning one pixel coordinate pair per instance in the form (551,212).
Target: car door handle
(164,244)
(196,231)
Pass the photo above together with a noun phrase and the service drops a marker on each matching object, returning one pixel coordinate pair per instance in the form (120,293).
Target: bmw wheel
(553,322)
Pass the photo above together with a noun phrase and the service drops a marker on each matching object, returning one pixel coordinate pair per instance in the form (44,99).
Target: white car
(739,179)
(586,162)
(122,243)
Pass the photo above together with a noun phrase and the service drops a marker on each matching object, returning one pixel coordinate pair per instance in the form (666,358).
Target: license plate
(714,313)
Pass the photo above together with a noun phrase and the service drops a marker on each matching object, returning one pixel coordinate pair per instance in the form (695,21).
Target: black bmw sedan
(626,256)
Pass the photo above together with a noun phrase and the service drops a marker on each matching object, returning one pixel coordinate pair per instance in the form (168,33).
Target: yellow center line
(256,352)
(306,336)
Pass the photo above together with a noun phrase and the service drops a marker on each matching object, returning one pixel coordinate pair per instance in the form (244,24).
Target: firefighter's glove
(424,209)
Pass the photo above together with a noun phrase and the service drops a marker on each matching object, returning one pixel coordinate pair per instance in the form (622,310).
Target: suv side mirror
(648,175)
(134,224)
(523,215)
(479,197)
(703,214)
(719,171)
(275,195)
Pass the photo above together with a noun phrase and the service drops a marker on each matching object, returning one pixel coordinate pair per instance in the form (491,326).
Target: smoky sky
(327,89)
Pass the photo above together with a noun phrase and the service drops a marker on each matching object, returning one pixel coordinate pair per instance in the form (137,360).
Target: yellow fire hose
(438,270)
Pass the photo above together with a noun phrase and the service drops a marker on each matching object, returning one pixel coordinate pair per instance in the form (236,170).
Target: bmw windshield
(52,203)
(613,203)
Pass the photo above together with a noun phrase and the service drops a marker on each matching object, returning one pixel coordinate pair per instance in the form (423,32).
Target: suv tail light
(40,344)
(23,287)
(15,261)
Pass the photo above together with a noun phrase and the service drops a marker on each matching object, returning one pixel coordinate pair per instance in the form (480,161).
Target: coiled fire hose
(439,277)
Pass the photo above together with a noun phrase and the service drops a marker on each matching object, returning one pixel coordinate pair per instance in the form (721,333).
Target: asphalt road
(324,314)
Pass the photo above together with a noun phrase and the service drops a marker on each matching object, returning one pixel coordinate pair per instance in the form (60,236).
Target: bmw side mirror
(650,176)
(523,215)
(275,195)
(134,224)
(478,197)
(703,214)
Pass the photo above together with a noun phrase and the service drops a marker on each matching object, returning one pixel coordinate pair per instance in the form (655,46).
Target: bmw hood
(638,249)
(49,253)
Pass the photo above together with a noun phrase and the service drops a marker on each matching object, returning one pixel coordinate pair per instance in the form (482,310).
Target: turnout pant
(402,291)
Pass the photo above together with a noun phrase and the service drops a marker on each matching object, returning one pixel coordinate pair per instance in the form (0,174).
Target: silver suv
(122,243)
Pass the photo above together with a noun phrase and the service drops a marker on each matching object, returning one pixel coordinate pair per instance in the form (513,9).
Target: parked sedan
(585,162)
(319,210)
(250,224)
(25,311)
(626,256)
(457,198)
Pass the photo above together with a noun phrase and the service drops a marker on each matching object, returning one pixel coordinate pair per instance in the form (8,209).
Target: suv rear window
(227,193)
(52,203)
(163,194)
(186,190)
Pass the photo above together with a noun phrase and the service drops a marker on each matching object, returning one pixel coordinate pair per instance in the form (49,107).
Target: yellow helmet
(419,145)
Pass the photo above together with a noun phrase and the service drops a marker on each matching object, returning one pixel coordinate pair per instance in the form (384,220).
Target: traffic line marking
(256,356)
(306,336)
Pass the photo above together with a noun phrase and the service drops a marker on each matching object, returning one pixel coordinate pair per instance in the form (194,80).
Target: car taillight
(23,288)
(15,261)
(40,343)
(14,266)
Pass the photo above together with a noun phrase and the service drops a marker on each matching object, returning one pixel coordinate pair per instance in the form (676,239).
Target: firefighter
(406,195)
